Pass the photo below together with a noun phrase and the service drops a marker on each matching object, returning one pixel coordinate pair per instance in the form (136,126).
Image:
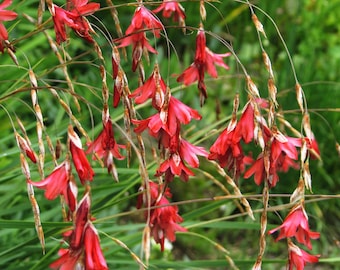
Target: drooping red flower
(82,165)
(68,260)
(296,225)
(228,152)
(73,17)
(143,20)
(298,258)
(56,183)
(84,250)
(281,157)
(205,61)
(165,218)
(153,88)
(169,119)
(5,15)
(106,147)
(172,7)
(174,165)
(94,258)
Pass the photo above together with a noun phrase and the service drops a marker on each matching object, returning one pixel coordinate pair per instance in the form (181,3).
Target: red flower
(82,218)
(94,259)
(170,7)
(245,127)
(74,18)
(298,258)
(105,146)
(56,183)
(228,152)
(189,152)
(164,219)
(68,260)
(174,166)
(204,61)
(80,161)
(168,120)
(142,21)
(5,15)
(296,225)
(153,88)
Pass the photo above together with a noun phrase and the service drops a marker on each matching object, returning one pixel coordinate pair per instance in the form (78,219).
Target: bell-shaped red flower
(94,258)
(82,165)
(164,218)
(106,147)
(56,183)
(172,7)
(298,258)
(296,225)
(205,61)
(73,17)
(143,20)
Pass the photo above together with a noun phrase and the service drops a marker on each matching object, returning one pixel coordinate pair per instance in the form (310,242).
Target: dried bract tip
(299,96)
(307,127)
(203,12)
(337,147)
(258,25)
(307,176)
(268,64)
(298,193)
(272,91)
(252,87)
(33,79)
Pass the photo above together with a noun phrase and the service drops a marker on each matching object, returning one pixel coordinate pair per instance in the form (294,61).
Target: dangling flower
(5,15)
(143,20)
(296,225)
(153,88)
(228,152)
(165,218)
(56,183)
(172,7)
(79,159)
(74,18)
(168,120)
(94,258)
(205,61)
(298,258)
(106,147)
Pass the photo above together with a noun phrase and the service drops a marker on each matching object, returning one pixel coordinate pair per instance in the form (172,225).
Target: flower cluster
(164,218)
(84,251)
(166,125)
(84,247)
